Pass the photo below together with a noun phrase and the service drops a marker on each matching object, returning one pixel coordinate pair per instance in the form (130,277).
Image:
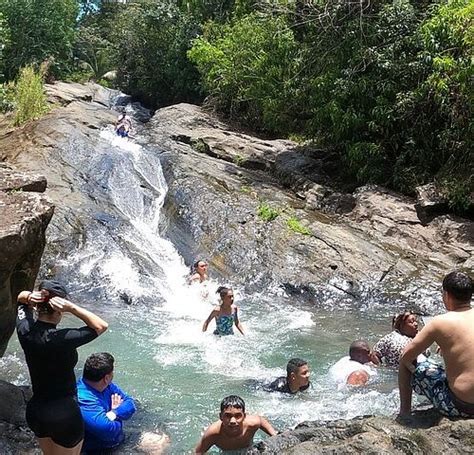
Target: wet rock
(13,401)
(370,235)
(427,432)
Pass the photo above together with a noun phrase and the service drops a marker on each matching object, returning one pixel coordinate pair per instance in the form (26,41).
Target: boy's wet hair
(98,365)
(294,364)
(459,285)
(223,290)
(232,401)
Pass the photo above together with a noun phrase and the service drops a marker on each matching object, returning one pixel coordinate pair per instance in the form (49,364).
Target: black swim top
(281,385)
(50,354)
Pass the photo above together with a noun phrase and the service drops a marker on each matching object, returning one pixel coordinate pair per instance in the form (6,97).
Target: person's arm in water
(422,341)
(90,319)
(213,314)
(266,426)
(237,322)
(208,439)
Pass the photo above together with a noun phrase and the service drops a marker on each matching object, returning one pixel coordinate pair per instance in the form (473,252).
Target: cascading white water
(178,373)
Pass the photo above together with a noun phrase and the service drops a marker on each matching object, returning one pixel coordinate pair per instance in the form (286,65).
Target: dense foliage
(39,30)
(386,86)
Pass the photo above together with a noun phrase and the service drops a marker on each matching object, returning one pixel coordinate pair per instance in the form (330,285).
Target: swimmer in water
(235,429)
(296,379)
(199,274)
(226,314)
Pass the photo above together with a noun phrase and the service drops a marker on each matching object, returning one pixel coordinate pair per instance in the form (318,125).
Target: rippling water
(179,374)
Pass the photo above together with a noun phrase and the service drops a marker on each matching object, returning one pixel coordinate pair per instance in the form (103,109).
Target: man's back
(454,333)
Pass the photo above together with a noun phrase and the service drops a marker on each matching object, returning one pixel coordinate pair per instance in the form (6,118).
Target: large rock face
(24,216)
(219,180)
(426,433)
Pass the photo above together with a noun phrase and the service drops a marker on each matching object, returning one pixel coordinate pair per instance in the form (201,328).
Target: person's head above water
(405,323)
(226,294)
(98,366)
(457,290)
(297,374)
(360,351)
(232,414)
(232,401)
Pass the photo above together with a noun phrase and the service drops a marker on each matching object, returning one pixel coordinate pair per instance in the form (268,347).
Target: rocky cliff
(24,214)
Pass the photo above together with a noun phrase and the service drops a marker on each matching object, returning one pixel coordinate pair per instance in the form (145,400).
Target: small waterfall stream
(133,276)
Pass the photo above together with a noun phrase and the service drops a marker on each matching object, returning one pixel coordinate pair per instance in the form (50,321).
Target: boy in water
(296,379)
(235,429)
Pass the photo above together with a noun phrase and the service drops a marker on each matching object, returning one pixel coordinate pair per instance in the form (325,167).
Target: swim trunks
(429,379)
(59,419)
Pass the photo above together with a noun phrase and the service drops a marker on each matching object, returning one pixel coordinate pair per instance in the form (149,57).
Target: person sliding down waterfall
(123,125)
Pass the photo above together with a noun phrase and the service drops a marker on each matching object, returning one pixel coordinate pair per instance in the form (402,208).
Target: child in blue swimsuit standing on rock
(225,314)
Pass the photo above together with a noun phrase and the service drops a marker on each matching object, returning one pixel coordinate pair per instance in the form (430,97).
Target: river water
(127,271)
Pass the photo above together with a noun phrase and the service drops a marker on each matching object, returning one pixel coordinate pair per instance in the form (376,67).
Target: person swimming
(225,315)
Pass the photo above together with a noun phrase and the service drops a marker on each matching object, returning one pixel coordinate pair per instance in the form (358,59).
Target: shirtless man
(451,391)
(235,429)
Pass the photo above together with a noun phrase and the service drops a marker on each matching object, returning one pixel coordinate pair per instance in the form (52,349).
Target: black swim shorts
(58,419)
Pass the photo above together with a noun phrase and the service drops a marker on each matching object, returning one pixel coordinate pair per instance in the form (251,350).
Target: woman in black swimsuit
(53,413)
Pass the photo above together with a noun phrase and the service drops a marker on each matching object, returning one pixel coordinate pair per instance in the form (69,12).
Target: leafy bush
(266,212)
(30,98)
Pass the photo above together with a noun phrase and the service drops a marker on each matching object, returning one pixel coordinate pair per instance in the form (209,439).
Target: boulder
(426,433)
(430,202)
(24,217)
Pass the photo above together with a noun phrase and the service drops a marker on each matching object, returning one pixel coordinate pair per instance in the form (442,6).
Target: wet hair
(357,347)
(222,291)
(55,289)
(294,364)
(399,319)
(98,365)
(195,265)
(232,401)
(459,285)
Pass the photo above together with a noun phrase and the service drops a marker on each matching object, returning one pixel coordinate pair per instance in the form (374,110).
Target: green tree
(40,30)
(150,44)
(248,68)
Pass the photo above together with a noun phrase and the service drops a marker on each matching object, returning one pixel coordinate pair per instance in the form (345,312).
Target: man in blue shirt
(104,406)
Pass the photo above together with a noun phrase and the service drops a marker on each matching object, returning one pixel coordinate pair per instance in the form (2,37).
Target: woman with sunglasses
(390,347)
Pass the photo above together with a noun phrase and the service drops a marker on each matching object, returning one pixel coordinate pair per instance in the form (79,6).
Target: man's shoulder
(253,421)
(214,429)
(278,385)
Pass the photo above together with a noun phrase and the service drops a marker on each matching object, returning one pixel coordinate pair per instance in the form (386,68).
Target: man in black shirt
(296,380)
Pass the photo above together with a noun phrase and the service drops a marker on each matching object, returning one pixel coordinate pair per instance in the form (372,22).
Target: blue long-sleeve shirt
(100,431)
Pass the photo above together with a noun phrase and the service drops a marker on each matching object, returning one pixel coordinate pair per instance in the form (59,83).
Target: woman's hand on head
(36,297)
(61,305)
